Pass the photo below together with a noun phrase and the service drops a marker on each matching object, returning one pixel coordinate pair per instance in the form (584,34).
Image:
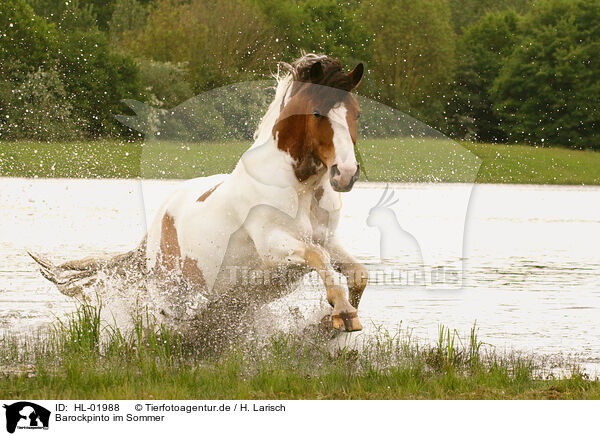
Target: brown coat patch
(207,193)
(171,253)
(307,166)
(306,138)
(169,244)
(192,272)
(319,193)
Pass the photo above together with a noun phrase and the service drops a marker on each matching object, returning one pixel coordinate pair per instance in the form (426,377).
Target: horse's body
(276,214)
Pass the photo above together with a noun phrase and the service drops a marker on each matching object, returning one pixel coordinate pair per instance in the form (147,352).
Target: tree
(25,39)
(66,15)
(96,79)
(27,43)
(468,12)
(129,16)
(220,41)
(412,54)
(67,76)
(481,51)
(75,13)
(318,26)
(548,90)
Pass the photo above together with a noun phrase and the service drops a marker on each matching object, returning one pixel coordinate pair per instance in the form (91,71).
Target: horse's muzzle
(342,181)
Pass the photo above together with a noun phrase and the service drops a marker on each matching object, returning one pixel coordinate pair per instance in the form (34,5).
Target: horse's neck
(270,171)
(268,165)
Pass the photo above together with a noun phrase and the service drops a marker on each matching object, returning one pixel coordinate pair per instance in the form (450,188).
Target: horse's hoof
(346,321)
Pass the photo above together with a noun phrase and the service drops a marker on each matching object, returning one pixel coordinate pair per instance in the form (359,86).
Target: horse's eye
(316,113)
(358,115)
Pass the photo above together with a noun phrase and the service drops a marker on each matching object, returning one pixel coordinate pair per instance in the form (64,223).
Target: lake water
(523,261)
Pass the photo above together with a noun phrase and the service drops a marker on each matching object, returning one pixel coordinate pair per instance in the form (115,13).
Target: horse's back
(189,197)
(197,190)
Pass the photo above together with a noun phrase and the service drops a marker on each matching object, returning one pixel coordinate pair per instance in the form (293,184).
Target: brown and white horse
(276,212)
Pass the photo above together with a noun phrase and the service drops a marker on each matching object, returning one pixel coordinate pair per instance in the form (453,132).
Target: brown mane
(333,73)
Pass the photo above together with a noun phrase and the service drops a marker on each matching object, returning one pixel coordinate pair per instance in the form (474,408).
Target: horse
(275,213)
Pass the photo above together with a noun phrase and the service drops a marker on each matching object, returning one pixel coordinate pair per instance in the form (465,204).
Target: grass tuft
(82,358)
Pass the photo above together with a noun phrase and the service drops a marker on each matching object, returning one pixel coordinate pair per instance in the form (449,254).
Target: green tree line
(486,70)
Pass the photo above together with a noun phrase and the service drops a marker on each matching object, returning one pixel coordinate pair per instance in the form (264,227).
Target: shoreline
(112,159)
(80,359)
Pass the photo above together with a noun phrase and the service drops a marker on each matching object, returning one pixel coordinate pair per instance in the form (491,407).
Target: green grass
(80,359)
(536,165)
(384,160)
(109,159)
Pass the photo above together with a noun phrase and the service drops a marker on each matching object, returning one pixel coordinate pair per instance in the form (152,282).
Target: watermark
(24,415)
(413,206)
(91,417)
(379,275)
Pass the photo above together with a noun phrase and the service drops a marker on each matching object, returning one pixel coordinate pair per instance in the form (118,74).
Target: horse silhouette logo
(394,241)
(26,415)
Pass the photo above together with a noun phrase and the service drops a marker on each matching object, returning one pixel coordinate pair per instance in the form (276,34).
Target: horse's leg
(279,247)
(356,274)
(344,313)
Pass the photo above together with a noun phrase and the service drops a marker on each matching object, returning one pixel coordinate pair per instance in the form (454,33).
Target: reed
(80,357)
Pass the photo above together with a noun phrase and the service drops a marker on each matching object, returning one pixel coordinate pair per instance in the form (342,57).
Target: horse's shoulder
(191,192)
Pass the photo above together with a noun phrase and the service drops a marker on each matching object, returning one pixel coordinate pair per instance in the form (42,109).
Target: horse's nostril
(335,170)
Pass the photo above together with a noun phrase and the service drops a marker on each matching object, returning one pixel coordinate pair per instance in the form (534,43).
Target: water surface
(529,255)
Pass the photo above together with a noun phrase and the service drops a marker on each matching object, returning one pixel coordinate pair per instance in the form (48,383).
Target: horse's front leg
(344,315)
(280,247)
(356,274)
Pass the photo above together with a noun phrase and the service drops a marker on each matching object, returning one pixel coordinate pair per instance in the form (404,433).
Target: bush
(548,91)
(166,84)
(26,44)
(229,112)
(97,79)
(40,109)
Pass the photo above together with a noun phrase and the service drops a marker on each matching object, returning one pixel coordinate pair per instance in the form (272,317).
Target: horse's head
(317,124)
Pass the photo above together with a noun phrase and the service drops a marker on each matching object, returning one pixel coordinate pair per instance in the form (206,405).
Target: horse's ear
(316,72)
(356,74)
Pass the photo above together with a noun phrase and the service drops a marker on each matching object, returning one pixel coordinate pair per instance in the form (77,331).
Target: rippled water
(529,255)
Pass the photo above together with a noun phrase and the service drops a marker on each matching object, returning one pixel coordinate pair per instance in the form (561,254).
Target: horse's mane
(263,131)
(299,71)
(333,74)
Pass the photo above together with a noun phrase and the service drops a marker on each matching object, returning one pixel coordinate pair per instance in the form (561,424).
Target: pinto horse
(276,212)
